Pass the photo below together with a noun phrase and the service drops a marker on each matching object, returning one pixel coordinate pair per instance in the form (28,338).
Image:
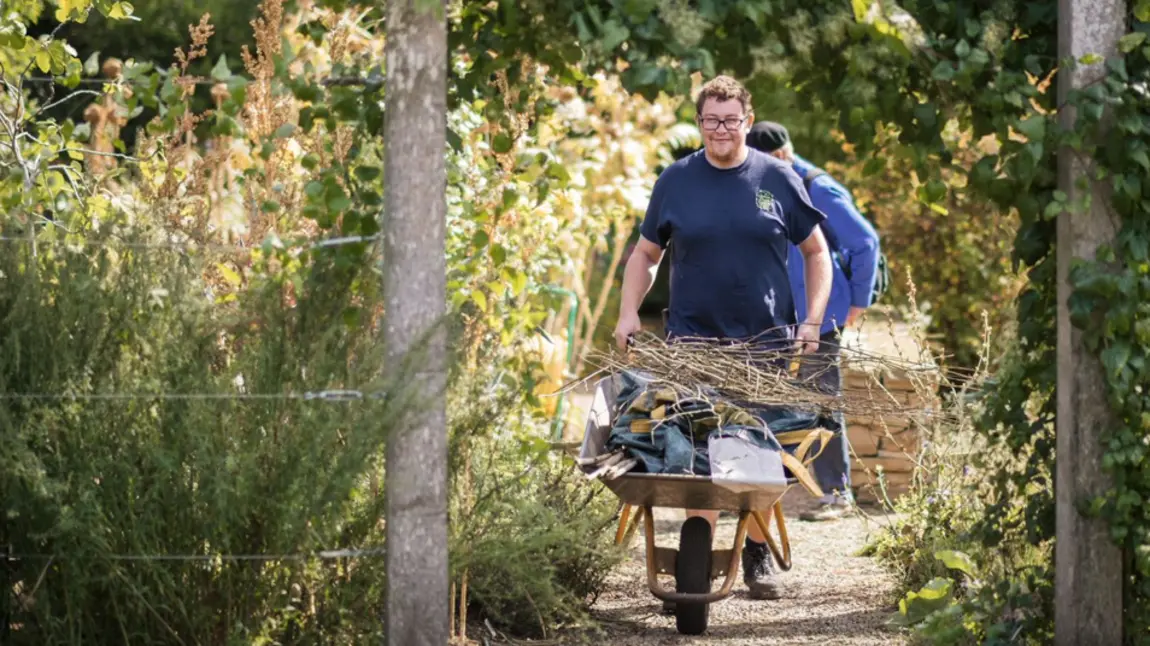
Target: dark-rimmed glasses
(730,123)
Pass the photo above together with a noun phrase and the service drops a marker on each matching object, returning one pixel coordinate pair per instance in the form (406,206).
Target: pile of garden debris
(656,429)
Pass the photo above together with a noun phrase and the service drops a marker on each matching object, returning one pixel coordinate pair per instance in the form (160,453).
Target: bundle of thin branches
(764,374)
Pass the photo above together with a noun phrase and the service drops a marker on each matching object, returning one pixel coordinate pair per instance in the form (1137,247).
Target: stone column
(1088,566)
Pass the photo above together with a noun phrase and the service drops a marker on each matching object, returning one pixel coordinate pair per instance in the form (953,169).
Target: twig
(757,374)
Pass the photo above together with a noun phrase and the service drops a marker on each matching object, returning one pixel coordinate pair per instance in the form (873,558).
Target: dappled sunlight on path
(831,595)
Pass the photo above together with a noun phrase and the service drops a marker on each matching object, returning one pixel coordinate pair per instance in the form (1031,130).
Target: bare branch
(69,96)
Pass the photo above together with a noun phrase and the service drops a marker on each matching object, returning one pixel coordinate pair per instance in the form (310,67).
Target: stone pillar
(1088,576)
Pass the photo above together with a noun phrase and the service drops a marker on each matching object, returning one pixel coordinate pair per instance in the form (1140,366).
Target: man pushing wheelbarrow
(729,215)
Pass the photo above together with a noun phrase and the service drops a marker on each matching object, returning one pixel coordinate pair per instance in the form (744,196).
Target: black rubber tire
(693,575)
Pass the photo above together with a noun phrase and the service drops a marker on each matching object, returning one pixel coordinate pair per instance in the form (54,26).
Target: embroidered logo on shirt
(769,299)
(764,200)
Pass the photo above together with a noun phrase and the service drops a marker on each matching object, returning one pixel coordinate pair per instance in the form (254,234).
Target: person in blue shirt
(855,251)
(733,214)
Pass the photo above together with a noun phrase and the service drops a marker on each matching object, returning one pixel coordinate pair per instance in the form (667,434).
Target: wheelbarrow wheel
(693,575)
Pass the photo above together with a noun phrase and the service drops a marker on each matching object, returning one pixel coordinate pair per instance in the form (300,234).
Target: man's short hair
(723,88)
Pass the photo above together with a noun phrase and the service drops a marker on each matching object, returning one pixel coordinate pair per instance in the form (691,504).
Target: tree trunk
(415,300)
(1088,565)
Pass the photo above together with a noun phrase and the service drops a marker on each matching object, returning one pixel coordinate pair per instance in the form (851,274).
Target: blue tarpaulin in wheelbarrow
(668,433)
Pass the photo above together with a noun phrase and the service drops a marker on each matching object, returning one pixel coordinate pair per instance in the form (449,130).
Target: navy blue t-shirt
(732,229)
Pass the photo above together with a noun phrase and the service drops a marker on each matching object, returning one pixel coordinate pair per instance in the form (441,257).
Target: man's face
(724,125)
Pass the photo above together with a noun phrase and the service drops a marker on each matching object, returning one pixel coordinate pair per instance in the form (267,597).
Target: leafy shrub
(105,476)
(188,436)
(958,251)
(968,571)
(535,544)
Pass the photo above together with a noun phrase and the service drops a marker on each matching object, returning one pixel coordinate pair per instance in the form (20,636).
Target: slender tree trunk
(414,286)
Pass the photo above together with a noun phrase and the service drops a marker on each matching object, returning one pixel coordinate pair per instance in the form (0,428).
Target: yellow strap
(792,437)
(800,472)
(817,434)
(805,439)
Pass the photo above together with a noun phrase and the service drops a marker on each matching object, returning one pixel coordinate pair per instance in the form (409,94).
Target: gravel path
(831,596)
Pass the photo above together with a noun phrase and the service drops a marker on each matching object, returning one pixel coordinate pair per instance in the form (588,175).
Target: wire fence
(332,81)
(316,396)
(187,245)
(343,553)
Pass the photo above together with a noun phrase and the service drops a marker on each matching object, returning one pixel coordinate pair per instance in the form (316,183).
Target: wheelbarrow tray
(692,492)
(669,490)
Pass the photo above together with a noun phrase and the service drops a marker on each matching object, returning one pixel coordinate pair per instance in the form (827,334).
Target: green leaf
(519,282)
(498,254)
(286,130)
(1115,357)
(480,299)
(1118,67)
(614,34)
(944,71)
(1033,128)
(338,203)
(1131,41)
(510,197)
(120,10)
(956,560)
(367,173)
(1142,10)
(480,239)
(860,8)
(962,49)
(501,143)
(558,171)
(44,61)
(1141,158)
(221,72)
(874,166)
(934,596)
(1091,59)
(934,191)
(92,65)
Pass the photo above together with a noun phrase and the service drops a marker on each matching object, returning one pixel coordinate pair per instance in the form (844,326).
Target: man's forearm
(817,268)
(638,276)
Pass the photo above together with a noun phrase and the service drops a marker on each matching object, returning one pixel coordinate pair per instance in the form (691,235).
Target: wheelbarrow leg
(629,521)
(782,556)
(623,519)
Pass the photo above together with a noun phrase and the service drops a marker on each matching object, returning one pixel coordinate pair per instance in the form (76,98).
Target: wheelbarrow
(696,564)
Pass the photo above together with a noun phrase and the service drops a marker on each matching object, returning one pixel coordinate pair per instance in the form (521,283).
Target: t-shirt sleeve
(801,216)
(654,228)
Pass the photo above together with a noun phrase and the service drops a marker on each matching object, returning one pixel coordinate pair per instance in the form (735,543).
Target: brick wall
(890,441)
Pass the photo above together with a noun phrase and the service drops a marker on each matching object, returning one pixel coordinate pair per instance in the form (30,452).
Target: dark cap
(767,136)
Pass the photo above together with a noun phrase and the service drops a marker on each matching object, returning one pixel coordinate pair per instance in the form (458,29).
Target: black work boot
(758,573)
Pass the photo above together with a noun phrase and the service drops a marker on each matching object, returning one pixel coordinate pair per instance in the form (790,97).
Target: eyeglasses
(730,123)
